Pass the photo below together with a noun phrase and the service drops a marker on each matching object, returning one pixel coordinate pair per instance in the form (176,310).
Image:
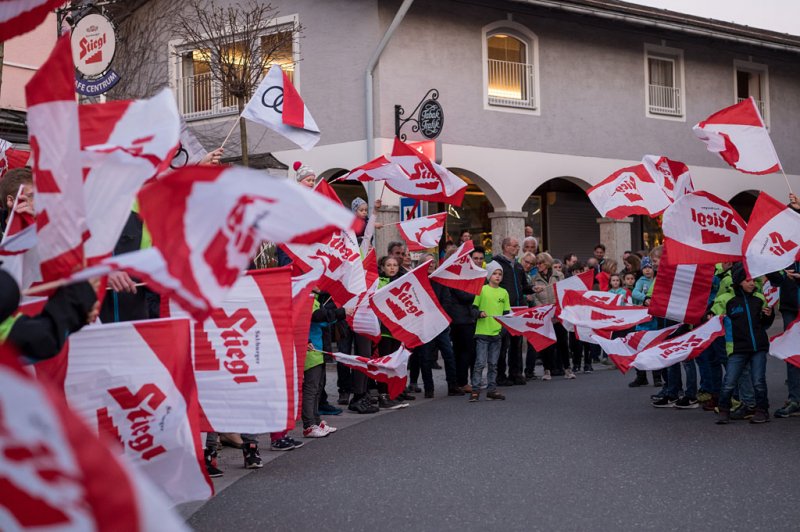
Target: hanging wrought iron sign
(93,48)
(427,117)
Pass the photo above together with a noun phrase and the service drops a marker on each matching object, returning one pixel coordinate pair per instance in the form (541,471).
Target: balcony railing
(511,84)
(665,100)
(200,96)
(761,107)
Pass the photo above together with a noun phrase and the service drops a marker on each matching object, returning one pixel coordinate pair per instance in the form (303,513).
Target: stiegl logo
(405,295)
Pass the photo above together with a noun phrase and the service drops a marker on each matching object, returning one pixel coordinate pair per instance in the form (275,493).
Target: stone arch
(480,200)
(743,203)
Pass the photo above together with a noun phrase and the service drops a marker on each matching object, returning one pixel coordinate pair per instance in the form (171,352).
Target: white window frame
(753,68)
(670,54)
(176,47)
(531,41)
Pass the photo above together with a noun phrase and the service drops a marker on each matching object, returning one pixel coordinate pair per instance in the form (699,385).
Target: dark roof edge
(671,20)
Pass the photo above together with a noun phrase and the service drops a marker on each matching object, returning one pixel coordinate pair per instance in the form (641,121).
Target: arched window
(510,66)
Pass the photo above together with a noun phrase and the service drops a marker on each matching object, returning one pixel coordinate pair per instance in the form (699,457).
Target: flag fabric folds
(57,473)
(277,106)
(584,312)
(144,397)
(390,369)
(700,228)
(739,136)
(772,239)
(243,356)
(786,346)
(21,16)
(459,272)
(681,291)
(426,180)
(534,324)
(424,232)
(409,308)
(627,192)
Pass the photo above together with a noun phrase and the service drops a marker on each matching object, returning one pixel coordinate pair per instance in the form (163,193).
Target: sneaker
(656,396)
(428,394)
(327,428)
(710,405)
(405,396)
(474,396)
(467,388)
(686,403)
(297,444)
(495,396)
(702,397)
(724,417)
(635,383)
(664,402)
(327,409)
(790,409)
(388,404)
(252,460)
(588,369)
(363,406)
(284,444)
(742,412)
(546,376)
(211,463)
(568,374)
(314,431)
(344,399)
(760,416)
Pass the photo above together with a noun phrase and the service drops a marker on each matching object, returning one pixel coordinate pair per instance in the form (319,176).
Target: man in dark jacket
(516,284)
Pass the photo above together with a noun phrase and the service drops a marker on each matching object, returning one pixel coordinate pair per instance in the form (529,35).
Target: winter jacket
(745,323)
(514,281)
(548,295)
(790,290)
(322,317)
(458,305)
(640,290)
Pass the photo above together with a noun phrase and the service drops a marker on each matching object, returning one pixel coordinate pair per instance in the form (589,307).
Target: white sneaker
(568,374)
(315,431)
(327,428)
(546,376)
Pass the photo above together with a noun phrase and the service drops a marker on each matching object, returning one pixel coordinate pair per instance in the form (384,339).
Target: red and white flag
(700,228)
(674,350)
(583,312)
(423,233)
(380,169)
(622,350)
(409,308)
(144,397)
(535,324)
(190,151)
(390,369)
(771,293)
(627,192)
(364,321)
(426,180)
(581,283)
(206,254)
(57,175)
(21,16)
(681,291)
(57,475)
(460,272)
(738,135)
(277,105)
(672,176)
(124,144)
(244,357)
(772,239)
(786,346)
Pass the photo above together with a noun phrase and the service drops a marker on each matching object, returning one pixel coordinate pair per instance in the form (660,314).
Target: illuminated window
(510,74)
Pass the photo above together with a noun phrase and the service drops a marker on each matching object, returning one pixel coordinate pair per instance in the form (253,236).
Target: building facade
(542,99)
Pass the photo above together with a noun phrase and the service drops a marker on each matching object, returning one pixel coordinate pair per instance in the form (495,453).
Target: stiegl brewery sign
(93,47)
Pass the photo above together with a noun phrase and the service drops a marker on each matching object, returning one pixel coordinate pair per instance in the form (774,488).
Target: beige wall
(23,56)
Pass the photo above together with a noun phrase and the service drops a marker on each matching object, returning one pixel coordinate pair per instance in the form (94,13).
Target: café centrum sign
(93,47)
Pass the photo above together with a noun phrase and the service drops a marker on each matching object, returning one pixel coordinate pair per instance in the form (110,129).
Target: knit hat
(358,202)
(492,267)
(302,171)
(737,273)
(647,263)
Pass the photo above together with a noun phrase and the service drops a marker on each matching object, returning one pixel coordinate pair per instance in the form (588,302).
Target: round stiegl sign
(93,45)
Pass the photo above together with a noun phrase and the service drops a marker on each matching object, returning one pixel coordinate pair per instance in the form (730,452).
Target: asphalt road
(588,454)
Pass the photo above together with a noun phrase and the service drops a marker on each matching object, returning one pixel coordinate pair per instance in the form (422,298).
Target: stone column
(388,214)
(506,223)
(616,235)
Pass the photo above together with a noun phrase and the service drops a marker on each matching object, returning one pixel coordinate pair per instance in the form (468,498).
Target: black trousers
(463,338)
(510,356)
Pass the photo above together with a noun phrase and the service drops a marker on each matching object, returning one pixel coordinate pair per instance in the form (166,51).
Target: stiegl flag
(772,239)
(277,105)
(460,272)
(786,346)
(424,232)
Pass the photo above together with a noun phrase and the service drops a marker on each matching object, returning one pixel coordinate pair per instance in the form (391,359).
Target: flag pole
(787,181)
(229,133)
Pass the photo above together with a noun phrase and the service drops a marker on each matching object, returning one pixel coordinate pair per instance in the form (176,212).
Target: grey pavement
(587,454)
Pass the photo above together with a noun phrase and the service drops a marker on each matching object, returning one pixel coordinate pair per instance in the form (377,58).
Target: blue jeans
(674,385)
(737,362)
(487,351)
(704,368)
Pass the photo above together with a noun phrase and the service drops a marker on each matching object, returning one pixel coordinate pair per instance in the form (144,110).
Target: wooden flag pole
(229,133)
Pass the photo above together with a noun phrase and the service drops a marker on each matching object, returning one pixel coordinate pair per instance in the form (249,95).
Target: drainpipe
(373,61)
